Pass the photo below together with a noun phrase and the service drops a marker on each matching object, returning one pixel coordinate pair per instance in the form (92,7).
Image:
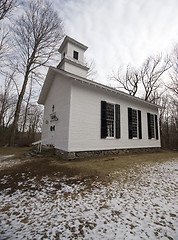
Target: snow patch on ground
(6,162)
(2,157)
(139,203)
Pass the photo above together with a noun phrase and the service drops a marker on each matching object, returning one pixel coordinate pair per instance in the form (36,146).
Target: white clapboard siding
(59,96)
(84,131)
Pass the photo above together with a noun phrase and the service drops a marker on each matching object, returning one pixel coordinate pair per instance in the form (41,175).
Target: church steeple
(72,57)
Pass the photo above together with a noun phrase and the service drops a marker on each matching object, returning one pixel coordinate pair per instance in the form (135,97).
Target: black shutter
(130,122)
(139,124)
(117,119)
(103,120)
(149,125)
(156,126)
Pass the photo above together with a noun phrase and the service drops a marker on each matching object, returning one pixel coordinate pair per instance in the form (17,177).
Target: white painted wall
(71,48)
(59,95)
(71,68)
(84,128)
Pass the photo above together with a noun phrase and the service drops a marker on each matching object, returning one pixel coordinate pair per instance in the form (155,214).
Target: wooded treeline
(29,42)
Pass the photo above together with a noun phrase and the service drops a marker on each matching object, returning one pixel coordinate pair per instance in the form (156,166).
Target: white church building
(81,115)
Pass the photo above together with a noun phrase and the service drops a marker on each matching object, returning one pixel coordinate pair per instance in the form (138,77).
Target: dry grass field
(117,197)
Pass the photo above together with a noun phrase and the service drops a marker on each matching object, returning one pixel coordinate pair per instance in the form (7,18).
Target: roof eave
(47,84)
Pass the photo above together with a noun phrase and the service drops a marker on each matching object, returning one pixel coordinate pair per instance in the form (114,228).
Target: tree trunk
(14,129)
(26,110)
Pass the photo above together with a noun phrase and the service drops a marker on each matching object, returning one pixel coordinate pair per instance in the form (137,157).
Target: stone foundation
(102,153)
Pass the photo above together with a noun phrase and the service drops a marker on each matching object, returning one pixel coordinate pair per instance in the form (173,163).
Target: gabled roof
(53,71)
(69,39)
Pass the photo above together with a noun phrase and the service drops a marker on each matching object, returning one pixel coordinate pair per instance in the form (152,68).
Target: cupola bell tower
(72,57)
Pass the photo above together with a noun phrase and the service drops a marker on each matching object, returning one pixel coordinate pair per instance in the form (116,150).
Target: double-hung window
(152,120)
(134,124)
(110,120)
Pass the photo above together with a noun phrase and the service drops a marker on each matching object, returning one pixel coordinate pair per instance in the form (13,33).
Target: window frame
(138,123)
(107,119)
(104,119)
(135,137)
(75,55)
(152,128)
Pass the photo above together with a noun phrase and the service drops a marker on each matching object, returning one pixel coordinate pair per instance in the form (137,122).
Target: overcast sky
(120,32)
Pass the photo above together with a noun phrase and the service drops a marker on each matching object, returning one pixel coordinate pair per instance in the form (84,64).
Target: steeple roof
(69,39)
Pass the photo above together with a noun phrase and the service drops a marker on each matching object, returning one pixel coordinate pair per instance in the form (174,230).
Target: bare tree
(4,46)
(151,72)
(168,121)
(174,73)
(36,36)
(34,120)
(6,7)
(148,76)
(27,108)
(7,101)
(92,72)
(129,80)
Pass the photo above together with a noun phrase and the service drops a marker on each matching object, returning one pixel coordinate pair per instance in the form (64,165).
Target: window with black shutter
(134,124)
(152,126)
(117,121)
(152,121)
(110,120)
(156,127)
(103,120)
(149,125)
(130,122)
(139,124)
